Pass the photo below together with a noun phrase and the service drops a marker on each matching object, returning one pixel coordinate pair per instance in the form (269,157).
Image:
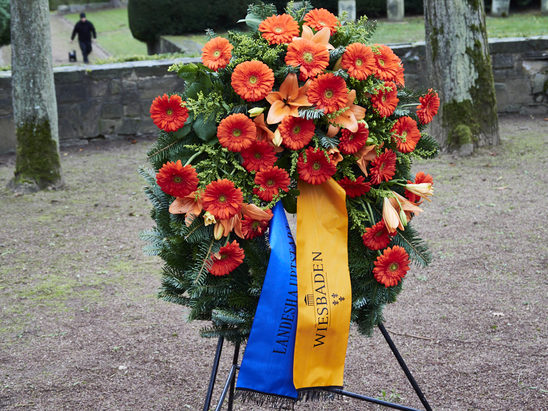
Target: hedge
(150,19)
(4,22)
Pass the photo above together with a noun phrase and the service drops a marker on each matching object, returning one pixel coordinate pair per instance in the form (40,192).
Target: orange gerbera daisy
(328,92)
(252,80)
(168,112)
(391,266)
(279,29)
(216,53)
(287,100)
(296,132)
(271,181)
(258,156)
(227,259)
(420,178)
(351,143)
(386,62)
(320,18)
(317,168)
(383,167)
(400,78)
(429,106)
(236,132)
(313,58)
(176,180)
(356,188)
(376,237)
(359,61)
(406,134)
(252,227)
(386,101)
(222,199)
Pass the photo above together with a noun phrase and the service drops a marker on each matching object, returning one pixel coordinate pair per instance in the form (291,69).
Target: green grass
(115,37)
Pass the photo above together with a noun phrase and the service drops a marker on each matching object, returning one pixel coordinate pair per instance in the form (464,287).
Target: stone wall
(520,68)
(114,100)
(98,101)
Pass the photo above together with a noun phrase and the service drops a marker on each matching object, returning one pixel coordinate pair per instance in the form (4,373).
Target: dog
(72,56)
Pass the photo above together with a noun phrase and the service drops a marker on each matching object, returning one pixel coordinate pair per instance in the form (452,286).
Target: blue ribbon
(267,365)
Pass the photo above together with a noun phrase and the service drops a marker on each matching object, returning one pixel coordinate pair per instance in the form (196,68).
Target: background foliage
(4,22)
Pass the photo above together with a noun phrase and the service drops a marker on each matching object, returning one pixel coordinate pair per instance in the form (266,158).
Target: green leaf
(204,129)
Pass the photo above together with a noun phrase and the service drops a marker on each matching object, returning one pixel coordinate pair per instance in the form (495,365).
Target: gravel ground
(81,327)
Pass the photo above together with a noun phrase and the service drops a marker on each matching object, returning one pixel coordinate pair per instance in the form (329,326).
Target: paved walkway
(61,30)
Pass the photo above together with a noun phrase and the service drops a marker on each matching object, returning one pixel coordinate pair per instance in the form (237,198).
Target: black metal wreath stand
(231,380)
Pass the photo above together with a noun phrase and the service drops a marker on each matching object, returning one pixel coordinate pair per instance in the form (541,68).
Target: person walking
(84,28)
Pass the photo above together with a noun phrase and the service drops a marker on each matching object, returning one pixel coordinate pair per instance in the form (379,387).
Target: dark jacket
(84,29)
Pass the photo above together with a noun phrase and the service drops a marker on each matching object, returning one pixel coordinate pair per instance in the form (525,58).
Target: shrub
(4,22)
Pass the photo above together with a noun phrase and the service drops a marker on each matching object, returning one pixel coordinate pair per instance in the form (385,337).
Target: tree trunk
(460,69)
(37,164)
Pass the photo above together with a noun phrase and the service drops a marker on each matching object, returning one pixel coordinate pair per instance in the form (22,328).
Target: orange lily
(349,118)
(263,132)
(321,37)
(224,227)
(287,100)
(364,156)
(191,205)
(423,190)
(397,211)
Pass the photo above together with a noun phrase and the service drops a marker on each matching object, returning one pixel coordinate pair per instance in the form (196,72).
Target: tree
(37,164)
(460,69)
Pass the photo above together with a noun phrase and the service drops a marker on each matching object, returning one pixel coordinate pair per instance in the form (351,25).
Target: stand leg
(229,379)
(233,382)
(214,370)
(404,367)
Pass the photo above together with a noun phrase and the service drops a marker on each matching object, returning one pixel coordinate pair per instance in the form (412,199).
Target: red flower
(296,132)
(259,156)
(320,18)
(227,259)
(386,101)
(312,57)
(279,29)
(236,132)
(355,188)
(429,106)
(328,92)
(176,180)
(376,237)
(222,199)
(351,143)
(168,113)
(383,167)
(406,134)
(252,80)
(359,61)
(271,181)
(420,177)
(387,63)
(317,168)
(216,53)
(391,266)
(252,228)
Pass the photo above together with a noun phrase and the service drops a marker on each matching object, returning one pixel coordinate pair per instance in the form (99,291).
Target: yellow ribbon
(324,289)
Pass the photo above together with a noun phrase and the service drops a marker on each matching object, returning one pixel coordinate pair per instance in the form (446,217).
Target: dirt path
(81,327)
(61,29)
